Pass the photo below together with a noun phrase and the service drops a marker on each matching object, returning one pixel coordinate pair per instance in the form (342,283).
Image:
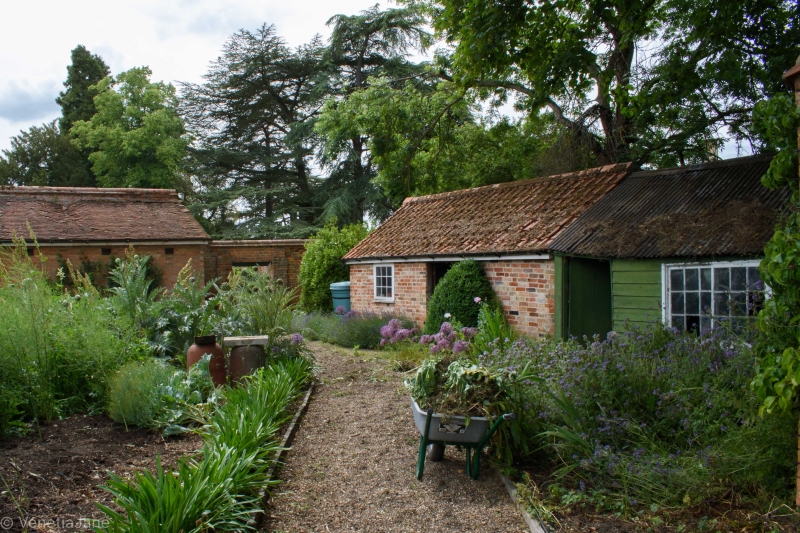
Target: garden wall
(281,258)
(90,258)
(526,290)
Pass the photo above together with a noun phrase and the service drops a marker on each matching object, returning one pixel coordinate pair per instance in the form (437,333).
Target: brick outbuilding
(507,228)
(89,227)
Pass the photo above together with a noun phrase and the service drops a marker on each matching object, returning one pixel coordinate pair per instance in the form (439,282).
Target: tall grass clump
(57,350)
(217,491)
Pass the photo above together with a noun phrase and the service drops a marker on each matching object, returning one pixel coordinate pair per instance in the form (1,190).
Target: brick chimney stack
(792,78)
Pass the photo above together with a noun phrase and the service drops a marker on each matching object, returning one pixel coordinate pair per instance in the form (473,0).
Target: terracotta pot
(207,344)
(245,360)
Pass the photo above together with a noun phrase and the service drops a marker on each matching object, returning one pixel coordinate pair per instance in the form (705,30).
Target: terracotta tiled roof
(74,214)
(516,217)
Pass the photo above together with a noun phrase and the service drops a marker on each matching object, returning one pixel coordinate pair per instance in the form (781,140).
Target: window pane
(739,303)
(677,322)
(705,279)
(691,279)
(693,323)
(722,279)
(692,302)
(721,304)
(676,303)
(754,279)
(705,324)
(738,278)
(676,280)
(705,303)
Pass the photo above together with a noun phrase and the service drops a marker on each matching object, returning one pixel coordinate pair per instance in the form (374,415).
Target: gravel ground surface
(353,462)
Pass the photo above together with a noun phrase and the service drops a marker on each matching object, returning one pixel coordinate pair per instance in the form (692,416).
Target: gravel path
(353,461)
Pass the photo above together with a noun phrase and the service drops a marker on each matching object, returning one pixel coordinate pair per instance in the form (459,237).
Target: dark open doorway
(588,298)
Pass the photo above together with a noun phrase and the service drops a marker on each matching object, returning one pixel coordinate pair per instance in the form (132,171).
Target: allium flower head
(340,310)
(469,332)
(446,328)
(297,338)
(460,346)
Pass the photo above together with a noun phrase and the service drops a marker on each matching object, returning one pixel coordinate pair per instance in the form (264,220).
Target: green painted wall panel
(635,292)
(560,296)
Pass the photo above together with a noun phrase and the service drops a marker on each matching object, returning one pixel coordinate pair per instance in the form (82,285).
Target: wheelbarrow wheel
(435,452)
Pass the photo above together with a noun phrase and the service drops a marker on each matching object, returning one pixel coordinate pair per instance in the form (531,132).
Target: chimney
(792,78)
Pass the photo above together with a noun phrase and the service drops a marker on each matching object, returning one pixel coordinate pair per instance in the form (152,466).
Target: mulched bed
(55,479)
(352,464)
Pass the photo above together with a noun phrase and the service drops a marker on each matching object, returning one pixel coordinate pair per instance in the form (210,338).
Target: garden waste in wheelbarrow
(447,430)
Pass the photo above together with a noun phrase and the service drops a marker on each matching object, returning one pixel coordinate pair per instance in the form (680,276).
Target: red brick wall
(528,289)
(525,288)
(170,265)
(410,287)
(283,256)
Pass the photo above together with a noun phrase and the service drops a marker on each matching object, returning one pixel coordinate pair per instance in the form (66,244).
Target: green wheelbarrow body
(454,431)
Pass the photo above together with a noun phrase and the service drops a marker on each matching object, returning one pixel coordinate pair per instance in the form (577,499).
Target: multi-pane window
(700,295)
(384,281)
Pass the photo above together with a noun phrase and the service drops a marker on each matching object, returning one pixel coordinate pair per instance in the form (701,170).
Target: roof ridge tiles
(150,194)
(722,163)
(616,167)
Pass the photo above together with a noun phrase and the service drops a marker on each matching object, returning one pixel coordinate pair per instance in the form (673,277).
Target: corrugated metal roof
(521,216)
(70,214)
(712,209)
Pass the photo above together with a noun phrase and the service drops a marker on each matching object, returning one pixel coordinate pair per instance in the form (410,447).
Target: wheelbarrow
(439,431)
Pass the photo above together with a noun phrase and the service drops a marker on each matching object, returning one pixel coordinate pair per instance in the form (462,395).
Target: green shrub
(455,294)
(136,392)
(156,395)
(322,264)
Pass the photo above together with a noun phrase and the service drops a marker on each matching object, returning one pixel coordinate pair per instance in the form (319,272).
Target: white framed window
(698,295)
(383,282)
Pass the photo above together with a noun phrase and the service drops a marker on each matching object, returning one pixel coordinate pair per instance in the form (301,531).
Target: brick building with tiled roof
(507,227)
(91,226)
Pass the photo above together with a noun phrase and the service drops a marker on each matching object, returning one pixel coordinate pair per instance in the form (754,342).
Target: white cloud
(23,103)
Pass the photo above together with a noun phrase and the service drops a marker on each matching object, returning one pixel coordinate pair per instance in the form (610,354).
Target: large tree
(252,121)
(44,156)
(660,81)
(373,44)
(136,137)
(77,99)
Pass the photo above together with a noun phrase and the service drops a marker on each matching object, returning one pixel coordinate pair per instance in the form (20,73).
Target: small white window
(384,282)
(698,295)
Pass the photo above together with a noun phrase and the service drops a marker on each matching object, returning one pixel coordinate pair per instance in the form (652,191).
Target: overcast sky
(176,38)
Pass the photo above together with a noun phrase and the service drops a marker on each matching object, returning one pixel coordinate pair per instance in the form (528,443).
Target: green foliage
(493,330)
(708,62)
(44,156)
(652,417)
(252,121)
(135,392)
(218,491)
(455,294)
(255,304)
(57,351)
(77,100)
(322,264)
(362,329)
(136,137)
(778,378)
(153,394)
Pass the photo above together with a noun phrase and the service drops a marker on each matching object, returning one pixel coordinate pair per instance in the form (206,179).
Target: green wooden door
(589,298)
